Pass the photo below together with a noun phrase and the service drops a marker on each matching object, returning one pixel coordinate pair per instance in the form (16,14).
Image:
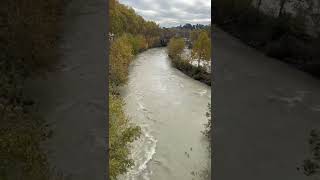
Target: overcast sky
(169,13)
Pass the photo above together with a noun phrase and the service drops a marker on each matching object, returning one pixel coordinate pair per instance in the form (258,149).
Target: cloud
(169,13)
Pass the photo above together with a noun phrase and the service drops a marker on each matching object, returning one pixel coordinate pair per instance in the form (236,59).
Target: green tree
(175,47)
(202,48)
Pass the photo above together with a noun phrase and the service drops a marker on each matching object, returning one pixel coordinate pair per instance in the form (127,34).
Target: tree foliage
(124,20)
(175,47)
(121,54)
(138,43)
(202,48)
(119,59)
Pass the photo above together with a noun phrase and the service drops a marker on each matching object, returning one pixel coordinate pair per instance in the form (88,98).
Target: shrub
(121,134)
(138,43)
(119,60)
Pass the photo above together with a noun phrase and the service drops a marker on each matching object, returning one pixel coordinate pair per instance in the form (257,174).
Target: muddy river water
(170,107)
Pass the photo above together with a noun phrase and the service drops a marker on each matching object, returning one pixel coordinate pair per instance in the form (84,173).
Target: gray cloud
(169,13)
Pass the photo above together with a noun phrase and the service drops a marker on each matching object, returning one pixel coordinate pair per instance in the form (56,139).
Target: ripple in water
(142,152)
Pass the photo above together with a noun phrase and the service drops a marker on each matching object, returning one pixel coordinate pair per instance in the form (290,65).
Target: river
(170,108)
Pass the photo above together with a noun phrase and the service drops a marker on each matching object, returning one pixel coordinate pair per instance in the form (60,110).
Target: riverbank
(129,35)
(196,72)
(194,66)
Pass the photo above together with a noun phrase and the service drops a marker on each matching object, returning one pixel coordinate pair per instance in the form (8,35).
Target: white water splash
(142,152)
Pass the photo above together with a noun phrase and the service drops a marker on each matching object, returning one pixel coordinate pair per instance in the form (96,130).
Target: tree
(123,19)
(120,58)
(202,48)
(175,47)
(194,35)
(187,26)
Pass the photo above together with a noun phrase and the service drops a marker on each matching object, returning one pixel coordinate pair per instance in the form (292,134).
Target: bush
(121,134)
(138,43)
(119,60)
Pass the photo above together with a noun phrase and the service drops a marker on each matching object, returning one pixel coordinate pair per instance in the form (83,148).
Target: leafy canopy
(175,47)
(202,48)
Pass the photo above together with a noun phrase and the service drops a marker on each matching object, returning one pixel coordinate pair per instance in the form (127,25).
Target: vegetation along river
(170,108)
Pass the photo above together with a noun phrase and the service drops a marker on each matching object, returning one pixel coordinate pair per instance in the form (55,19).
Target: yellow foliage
(121,133)
(119,60)
(202,48)
(175,47)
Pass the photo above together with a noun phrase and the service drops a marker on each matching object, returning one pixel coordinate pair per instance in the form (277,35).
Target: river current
(170,108)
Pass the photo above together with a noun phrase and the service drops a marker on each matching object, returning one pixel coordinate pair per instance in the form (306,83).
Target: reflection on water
(170,108)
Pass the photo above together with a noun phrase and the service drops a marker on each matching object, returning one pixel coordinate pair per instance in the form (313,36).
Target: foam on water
(142,152)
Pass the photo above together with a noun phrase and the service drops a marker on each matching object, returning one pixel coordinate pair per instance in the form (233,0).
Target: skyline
(174,12)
